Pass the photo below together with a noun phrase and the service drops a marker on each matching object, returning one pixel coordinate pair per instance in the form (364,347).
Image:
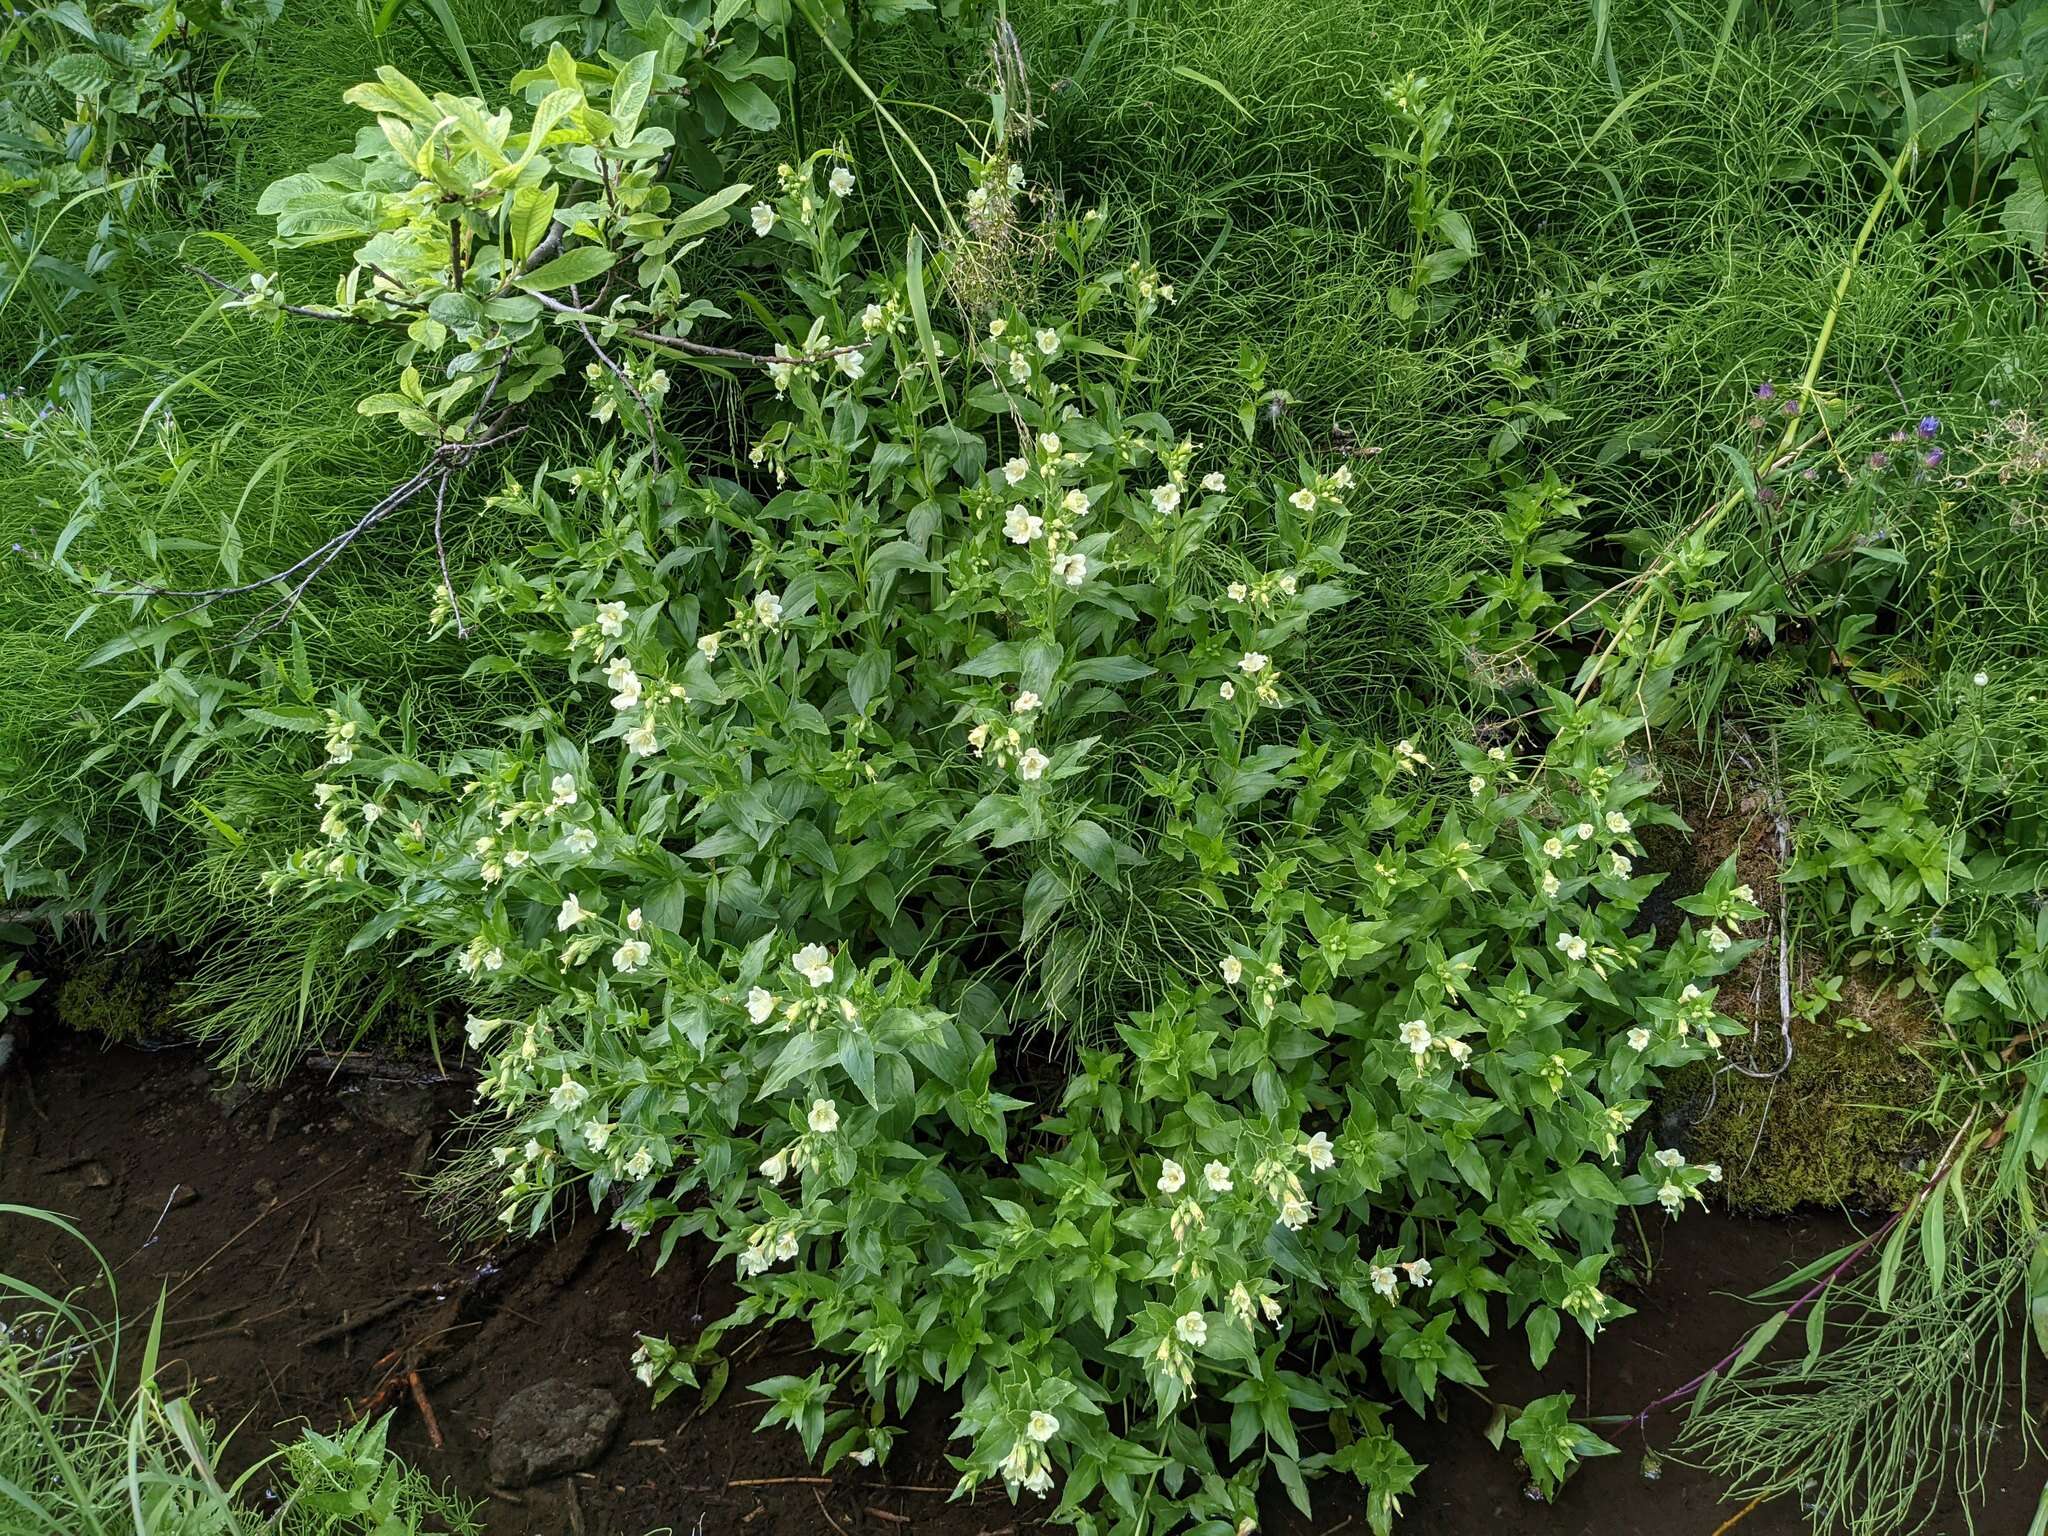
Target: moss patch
(123,996)
(1838,1126)
(1836,1129)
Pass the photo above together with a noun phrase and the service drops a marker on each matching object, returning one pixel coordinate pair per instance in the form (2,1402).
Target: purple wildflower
(1932,458)
(1880,459)
(1929,425)
(1765,390)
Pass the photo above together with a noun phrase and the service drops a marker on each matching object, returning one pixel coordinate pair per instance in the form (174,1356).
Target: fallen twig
(375,1314)
(419,1399)
(1738,1517)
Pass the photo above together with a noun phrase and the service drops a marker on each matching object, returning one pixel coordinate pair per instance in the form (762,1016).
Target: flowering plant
(981,703)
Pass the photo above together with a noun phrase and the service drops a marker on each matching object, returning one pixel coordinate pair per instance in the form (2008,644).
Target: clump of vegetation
(121,996)
(81,1452)
(960,735)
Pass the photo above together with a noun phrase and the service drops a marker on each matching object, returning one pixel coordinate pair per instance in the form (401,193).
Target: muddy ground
(287,1228)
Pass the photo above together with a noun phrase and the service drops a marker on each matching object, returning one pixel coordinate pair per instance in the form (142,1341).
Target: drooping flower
(1718,941)
(1014,470)
(1032,765)
(1251,663)
(840,181)
(1320,1154)
(1217,1176)
(760,1004)
(1416,1036)
(1165,498)
(1043,1426)
(1021,526)
(768,608)
(1192,1328)
(640,1164)
(1070,568)
(1669,1157)
(1025,702)
(707,644)
(569,1095)
(572,913)
(1639,1039)
(1670,1196)
(1385,1281)
(764,218)
(580,841)
(631,955)
(625,683)
(1572,946)
(1172,1177)
(1236,591)
(814,963)
(611,619)
(1214,481)
(1303,500)
(1075,502)
(1418,1271)
(1048,341)
(824,1116)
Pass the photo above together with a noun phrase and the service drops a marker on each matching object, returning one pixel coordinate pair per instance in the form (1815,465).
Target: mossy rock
(1837,1129)
(124,996)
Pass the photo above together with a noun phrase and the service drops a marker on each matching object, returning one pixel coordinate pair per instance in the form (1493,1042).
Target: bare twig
(699,348)
(827,1513)
(341,316)
(1738,1517)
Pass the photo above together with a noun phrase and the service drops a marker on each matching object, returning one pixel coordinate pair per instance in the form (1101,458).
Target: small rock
(552,1428)
(263,1189)
(395,1106)
(182,1196)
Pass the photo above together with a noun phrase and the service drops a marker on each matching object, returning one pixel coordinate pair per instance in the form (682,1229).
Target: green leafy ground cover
(1019,658)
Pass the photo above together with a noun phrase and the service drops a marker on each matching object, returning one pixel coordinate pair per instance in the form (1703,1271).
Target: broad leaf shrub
(967,700)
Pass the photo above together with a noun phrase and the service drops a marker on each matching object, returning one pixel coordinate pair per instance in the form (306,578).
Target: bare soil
(303,1274)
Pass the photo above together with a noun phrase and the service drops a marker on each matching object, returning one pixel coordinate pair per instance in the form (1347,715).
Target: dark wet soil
(301,1267)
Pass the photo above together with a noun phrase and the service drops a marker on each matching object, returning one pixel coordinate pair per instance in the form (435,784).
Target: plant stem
(1814,359)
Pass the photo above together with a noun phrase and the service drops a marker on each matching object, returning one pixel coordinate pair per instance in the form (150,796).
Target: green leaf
(1215,85)
(1093,847)
(1543,1327)
(749,105)
(708,214)
(577,266)
(629,97)
(82,74)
